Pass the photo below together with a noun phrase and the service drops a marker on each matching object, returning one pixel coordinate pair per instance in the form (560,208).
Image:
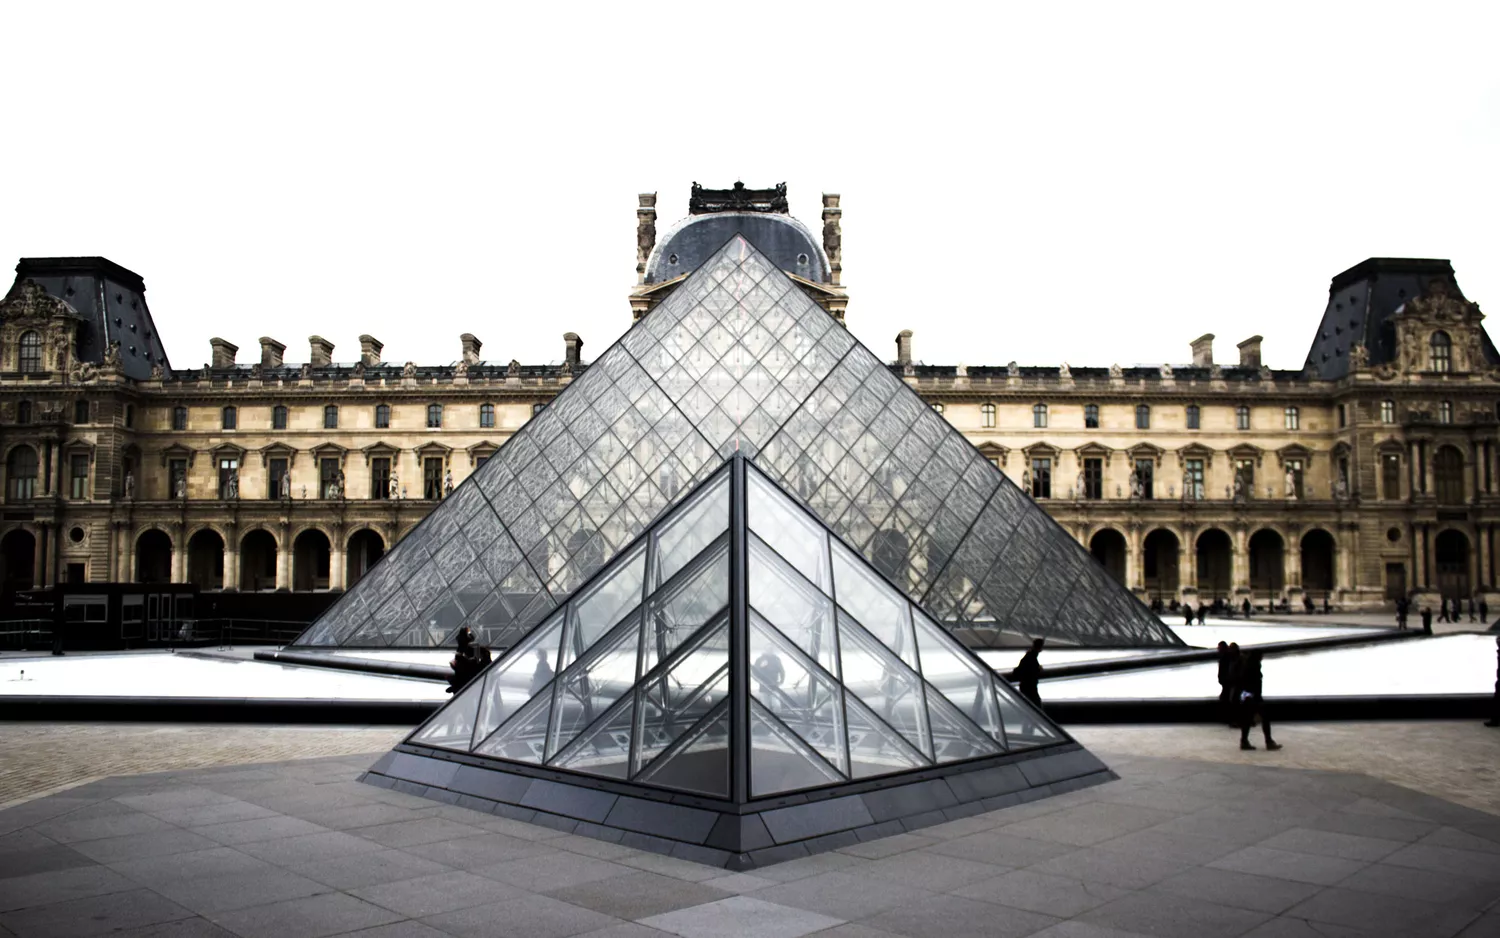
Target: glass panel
(690,530)
(874,748)
(596,611)
(453,726)
(677,697)
(800,694)
(875,605)
(519,676)
(779,761)
(962,679)
(1024,727)
(787,528)
(883,683)
(523,738)
(801,612)
(953,736)
(700,763)
(604,749)
(603,675)
(676,613)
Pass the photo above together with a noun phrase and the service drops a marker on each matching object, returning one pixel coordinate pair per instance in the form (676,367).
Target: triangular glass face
(603,675)
(737,358)
(676,696)
(875,748)
(780,761)
(965,681)
(1024,727)
(802,695)
(605,749)
(700,762)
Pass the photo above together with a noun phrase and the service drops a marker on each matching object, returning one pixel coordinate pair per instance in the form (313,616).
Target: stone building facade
(1370,473)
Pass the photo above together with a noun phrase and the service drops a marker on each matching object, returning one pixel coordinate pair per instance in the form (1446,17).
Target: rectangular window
(1041,477)
(1242,417)
(1387,411)
(1193,416)
(278,417)
(1145,472)
(1039,416)
(382,416)
(331,417)
(1343,420)
(1390,476)
(432,477)
(1193,479)
(328,478)
(1091,416)
(486,416)
(273,485)
(78,471)
(1244,473)
(1445,412)
(81,412)
(1093,478)
(1142,417)
(380,477)
(228,469)
(231,418)
(1293,418)
(176,476)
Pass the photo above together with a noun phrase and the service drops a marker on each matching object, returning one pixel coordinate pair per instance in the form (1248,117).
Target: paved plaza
(1206,842)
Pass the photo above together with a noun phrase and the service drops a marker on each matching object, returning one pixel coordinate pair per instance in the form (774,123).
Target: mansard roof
(110,299)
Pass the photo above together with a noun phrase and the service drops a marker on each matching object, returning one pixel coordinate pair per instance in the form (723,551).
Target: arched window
(1442,352)
(1387,411)
(1242,417)
(231,418)
(1445,412)
(1142,417)
(1293,418)
(1448,475)
(1193,416)
(30,359)
(486,416)
(23,412)
(179,417)
(1091,416)
(434,415)
(382,416)
(20,472)
(278,417)
(331,417)
(1039,416)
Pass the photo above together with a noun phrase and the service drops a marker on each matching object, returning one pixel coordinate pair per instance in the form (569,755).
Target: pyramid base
(724,834)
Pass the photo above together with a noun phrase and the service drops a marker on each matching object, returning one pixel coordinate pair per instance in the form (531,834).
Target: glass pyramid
(736,360)
(737,651)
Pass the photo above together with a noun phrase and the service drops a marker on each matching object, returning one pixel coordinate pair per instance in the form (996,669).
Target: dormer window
(1442,352)
(30,353)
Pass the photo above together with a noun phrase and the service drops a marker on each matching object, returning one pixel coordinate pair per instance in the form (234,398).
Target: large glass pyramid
(737,634)
(736,360)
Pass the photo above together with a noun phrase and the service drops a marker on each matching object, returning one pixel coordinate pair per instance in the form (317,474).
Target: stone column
(1240,561)
(1135,559)
(231,558)
(38,558)
(1187,566)
(284,559)
(179,554)
(336,551)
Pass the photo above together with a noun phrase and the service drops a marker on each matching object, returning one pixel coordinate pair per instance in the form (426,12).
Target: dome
(781,238)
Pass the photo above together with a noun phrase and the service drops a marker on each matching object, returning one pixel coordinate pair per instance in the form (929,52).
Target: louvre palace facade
(1369,473)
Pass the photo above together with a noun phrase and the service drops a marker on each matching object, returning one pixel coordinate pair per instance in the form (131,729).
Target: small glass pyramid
(736,360)
(737,651)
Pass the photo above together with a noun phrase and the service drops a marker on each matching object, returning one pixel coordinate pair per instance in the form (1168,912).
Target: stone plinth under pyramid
(736,360)
(738,687)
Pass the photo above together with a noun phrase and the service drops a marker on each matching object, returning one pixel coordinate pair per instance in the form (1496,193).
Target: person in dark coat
(1228,661)
(1427,619)
(1248,685)
(1443,610)
(1403,607)
(465,663)
(1245,606)
(1187,613)
(1494,719)
(1029,672)
(1471,609)
(1484,610)
(1202,613)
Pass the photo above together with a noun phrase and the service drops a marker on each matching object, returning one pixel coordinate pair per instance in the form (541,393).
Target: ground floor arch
(153,557)
(18,559)
(1267,564)
(1451,551)
(312,558)
(258,554)
(366,547)
(1215,565)
(1318,553)
(1108,547)
(1160,564)
(205,560)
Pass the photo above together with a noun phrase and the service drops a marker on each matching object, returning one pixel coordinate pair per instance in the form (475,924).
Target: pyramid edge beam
(720,834)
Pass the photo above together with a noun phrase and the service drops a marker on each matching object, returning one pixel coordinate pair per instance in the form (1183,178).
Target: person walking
(1471,608)
(1228,661)
(1484,610)
(1494,719)
(1427,619)
(1187,613)
(1252,702)
(1028,673)
(1402,608)
(1246,607)
(1202,612)
(1443,610)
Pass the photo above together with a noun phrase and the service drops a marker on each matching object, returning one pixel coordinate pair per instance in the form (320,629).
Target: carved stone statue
(833,239)
(403,491)
(1340,488)
(1239,488)
(1078,488)
(232,485)
(130,485)
(1026,481)
(1189,488)
(1291,483)
(447,483)
(179,486)
(513,370)
(1137,486)
(84,372)
(255,371)
(1115,371)
(461,370)
(336,485)
(1359,356)
(1013,370)
(304,492)
(1265,373)
(394,488)
(112,356)
(286,485)
(306,375)
(409,370)
(1215,372)
(962,371)
(1166,370)
(158,372)
(359,369)
(1064,372)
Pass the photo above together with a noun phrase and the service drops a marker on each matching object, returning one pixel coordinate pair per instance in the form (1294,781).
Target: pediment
(277,451)
(178,451)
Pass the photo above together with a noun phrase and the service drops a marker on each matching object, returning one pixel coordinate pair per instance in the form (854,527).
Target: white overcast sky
(1038,182)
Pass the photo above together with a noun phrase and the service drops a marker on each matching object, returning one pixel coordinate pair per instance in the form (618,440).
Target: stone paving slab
(1187,847)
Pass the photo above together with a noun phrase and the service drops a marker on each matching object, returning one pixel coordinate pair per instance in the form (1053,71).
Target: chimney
(320,354)
(573,348)
(1250,352)
(1203,350)
(903,347)
(271,352)
(223,352)
(471,346)
(369,350)
(645,233)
